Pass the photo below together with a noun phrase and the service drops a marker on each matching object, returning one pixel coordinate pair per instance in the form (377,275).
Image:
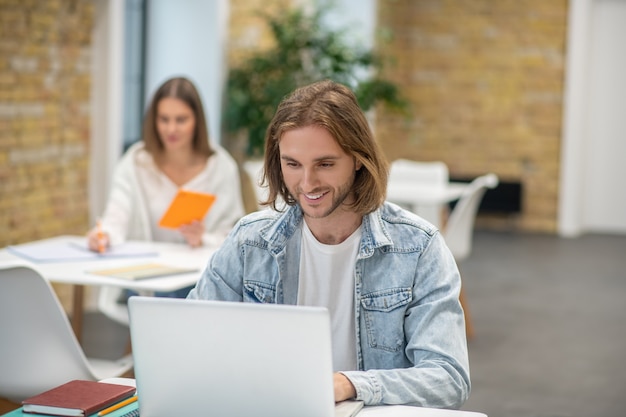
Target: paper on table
(55,251)
(186,207)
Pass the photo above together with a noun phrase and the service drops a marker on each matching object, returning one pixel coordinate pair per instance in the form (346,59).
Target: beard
(339,197)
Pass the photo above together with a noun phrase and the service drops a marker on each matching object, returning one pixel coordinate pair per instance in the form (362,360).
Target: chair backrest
(408,174)
(254,169)
(428,172)
(109,306)
(38,350)
(459,229)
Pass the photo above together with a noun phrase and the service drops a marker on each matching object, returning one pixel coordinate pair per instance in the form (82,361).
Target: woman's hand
(97,240)
(193,233)
(344,390)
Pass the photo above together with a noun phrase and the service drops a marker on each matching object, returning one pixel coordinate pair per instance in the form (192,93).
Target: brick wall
(45,69)
(485,81)
(45,66)
(247,31)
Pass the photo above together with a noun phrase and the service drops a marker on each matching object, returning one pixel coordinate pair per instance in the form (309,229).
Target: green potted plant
(304,51)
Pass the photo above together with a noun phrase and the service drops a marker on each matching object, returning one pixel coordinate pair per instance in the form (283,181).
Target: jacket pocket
(259,292)
(383,313)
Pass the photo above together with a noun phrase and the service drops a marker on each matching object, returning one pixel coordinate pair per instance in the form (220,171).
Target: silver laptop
(199,358)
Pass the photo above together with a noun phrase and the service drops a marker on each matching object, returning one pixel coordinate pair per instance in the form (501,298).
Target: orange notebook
(77,398)
(186,207)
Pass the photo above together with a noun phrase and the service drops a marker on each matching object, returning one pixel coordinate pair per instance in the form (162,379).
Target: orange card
(186,207)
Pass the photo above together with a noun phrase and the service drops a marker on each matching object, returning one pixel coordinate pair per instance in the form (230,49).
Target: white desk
(425,200)
(76,272)
(406,411)
(370,411)
(377,411)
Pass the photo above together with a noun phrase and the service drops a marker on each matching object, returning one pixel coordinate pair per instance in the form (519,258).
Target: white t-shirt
(327,280)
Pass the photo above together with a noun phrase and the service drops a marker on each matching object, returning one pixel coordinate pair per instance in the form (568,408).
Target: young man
(386,276)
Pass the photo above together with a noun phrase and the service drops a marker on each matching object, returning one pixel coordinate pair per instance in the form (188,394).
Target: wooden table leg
(78,311)
(469,327)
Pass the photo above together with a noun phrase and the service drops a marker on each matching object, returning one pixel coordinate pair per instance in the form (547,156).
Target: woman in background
(175,152)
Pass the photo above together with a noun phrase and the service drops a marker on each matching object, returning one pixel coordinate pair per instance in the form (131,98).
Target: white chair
(254,169)
(425,173)
(459,229)
(39,350)
(108,304)
(430,172)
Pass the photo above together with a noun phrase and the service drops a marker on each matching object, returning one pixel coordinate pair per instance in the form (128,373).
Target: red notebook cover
(77,398)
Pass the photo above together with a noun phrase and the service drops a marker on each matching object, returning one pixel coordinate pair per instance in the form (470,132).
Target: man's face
(317,172)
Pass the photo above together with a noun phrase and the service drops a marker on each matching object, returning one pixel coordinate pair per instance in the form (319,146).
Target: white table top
(406,411)
(425,200)
(370,411)
(76,271)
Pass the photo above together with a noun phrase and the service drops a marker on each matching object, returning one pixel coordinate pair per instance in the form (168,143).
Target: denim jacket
(411,344)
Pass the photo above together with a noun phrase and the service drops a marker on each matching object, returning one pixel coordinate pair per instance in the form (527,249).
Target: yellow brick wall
(45,77)
(485,82)
(247,30)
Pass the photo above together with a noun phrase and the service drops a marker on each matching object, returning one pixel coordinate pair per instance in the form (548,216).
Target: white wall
(604,208)
(106,93)
(592,197)
(187,38)
(106,108)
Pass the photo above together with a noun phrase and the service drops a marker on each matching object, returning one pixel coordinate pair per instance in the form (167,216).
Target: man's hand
(344,390)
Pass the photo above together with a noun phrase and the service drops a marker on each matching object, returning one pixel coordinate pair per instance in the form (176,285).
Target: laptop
(199,358)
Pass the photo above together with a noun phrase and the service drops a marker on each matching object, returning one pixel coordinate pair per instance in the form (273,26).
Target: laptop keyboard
(134,413)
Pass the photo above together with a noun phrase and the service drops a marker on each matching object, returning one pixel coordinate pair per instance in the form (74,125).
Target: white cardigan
(128,216)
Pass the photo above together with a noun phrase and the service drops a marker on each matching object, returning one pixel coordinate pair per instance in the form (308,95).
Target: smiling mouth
(314,196)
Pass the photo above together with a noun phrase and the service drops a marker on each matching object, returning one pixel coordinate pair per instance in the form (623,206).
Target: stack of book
(78,398)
